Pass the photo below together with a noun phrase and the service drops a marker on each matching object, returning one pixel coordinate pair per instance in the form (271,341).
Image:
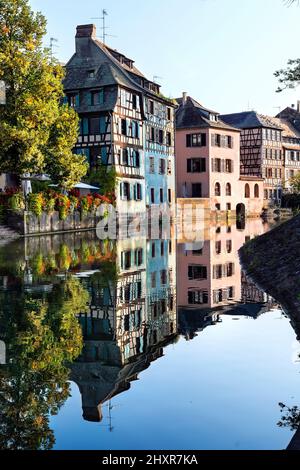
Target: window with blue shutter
(87,154)
(137,129)
(101,96)
(133,128)
(104,155)
(135,192)
(102,124)
(85,126)
(77,100)
(121,190)
(65,100)
(90,99)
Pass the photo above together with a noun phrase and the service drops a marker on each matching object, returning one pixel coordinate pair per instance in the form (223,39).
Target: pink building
(208,162)
(210,272)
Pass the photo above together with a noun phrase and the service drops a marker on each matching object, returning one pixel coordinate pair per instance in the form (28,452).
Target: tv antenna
(156,77)
(104,27)
(52,45)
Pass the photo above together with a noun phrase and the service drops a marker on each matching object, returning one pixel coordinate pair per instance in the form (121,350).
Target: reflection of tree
(291,418)
(41,337)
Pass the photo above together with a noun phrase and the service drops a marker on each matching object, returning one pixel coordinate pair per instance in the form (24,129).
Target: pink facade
(208,162)
(210,271)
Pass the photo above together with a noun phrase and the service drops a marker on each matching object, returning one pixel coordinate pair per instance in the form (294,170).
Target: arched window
(247,190)
(256,190)
(217,189)
(228,189)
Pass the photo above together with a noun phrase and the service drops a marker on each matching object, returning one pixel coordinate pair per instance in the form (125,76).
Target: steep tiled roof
(288,129)
(92,54)
(192,114)
(249,120)
(292,116)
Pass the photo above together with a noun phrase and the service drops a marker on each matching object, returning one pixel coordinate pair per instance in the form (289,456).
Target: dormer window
(91,73)
(213,117)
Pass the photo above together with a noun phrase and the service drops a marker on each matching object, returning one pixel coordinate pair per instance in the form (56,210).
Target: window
(217,189)
(218,207)
(126,259)
(124,127)
(125,191)
(125,159)
(96,97)
(196,190)
(135,129)
(153,250)
(161,195)
(94,125)
(134,101)
(170,247)
(151,165)
(169,114)
(84,126)
(153,280)
(136,159)
(74,100)
(229,269)
(91,73)
(256,190)
(218,271)
(162,248)
(224,141)
(216,140)
(228,189)
(169,139)
(218,247)
(196,140)
(151,107)
(169,167)
(198,297)
(139,256)
(229,166)
(247,190)
(163,276)
(162,166)
(160,136)
(216,165)
(228,207)
(197,272)
(270,173)
(152,195)
(218,296)
(196,165)
(170,196)
(229,246)
(138,192)
(152,134)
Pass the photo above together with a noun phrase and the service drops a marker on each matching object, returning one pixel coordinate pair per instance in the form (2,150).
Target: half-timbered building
(124,122)
(261,151)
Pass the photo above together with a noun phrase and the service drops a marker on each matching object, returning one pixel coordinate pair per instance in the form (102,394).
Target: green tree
(290,77)
(42,336)
(295,183)
(37,131)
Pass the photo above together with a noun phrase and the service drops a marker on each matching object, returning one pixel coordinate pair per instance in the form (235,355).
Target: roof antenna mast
(104,27)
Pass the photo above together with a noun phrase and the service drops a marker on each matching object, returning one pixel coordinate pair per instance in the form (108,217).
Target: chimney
(86,31)
(184,97)
(298,106)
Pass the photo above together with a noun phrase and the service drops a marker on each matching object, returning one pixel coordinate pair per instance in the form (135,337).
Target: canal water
(140,344)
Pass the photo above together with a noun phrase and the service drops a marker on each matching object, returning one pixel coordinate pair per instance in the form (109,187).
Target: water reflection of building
(210,273)
(130,319)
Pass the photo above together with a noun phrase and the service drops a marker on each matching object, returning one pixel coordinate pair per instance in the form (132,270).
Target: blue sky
(222,52)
